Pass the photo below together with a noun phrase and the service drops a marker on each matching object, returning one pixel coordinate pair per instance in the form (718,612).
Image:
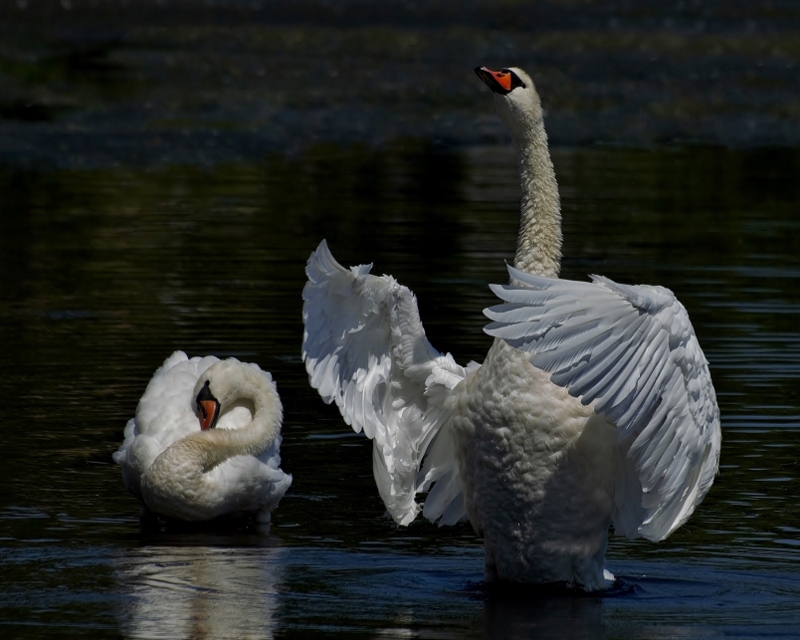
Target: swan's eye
(516,81)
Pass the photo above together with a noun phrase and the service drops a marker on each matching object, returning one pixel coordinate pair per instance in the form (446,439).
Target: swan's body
(593,407)
(180,471)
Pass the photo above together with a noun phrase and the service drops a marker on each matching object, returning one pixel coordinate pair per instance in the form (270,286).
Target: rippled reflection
(527,615)
(200,592)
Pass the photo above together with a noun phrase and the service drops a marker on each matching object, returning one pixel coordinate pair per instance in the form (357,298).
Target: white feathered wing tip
(632,351)
(365,349)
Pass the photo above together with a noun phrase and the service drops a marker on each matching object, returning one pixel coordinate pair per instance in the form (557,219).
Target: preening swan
(594,406)
(205,441)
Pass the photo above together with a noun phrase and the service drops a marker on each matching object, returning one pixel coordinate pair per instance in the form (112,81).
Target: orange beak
(208,413)
(495,79)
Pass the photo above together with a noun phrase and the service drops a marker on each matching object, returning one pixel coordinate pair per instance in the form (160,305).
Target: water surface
(107,271)
(167,167)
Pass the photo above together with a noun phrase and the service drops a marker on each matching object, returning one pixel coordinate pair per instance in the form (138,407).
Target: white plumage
(593,406)
(361,331)
(184,473)
(632,351)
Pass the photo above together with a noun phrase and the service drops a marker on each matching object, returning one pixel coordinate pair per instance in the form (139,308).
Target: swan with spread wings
(593,408)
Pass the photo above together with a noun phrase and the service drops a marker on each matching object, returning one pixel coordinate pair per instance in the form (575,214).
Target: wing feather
(632,351)
(365,349)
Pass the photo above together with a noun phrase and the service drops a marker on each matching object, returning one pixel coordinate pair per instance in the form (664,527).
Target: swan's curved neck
(221,444)
(539,243)
(191,457)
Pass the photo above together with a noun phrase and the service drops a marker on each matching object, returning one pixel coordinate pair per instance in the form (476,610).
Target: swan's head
(207,406)
(515,98)
(215,389)
(226,384)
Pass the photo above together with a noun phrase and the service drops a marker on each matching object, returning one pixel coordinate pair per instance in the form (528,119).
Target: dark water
(108,271)
(165,171)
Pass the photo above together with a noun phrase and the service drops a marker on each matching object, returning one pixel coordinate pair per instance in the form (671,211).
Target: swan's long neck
(217,445)
(539,242)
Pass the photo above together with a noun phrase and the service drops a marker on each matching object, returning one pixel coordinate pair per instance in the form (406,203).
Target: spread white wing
(632,351)
(365,349)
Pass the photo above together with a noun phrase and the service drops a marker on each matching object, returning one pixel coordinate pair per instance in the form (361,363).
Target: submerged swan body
(205,441)
(593,408)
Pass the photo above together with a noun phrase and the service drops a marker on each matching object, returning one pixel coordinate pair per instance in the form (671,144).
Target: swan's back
(163,416)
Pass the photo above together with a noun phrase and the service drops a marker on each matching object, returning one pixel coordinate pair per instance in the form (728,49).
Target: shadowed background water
(149,205)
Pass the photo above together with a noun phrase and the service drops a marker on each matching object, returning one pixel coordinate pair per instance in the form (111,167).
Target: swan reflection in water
(513,616)
(526,615)
(200,592)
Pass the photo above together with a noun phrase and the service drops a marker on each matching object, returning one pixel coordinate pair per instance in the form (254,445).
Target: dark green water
(106,272)
(166,168)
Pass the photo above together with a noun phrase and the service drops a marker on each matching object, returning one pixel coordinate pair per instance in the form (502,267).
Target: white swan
(593,407)
(205,441)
